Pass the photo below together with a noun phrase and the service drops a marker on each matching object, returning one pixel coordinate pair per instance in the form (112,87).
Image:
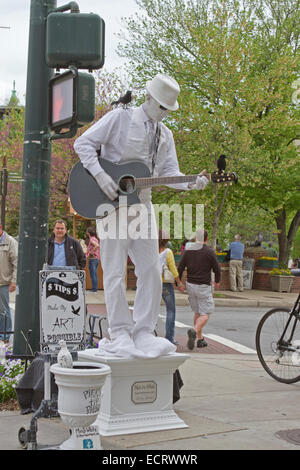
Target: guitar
(90,202)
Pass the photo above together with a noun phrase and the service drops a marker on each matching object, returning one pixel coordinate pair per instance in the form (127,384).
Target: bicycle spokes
(278,344)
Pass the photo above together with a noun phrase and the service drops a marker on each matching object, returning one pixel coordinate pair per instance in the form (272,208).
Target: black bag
(177,384)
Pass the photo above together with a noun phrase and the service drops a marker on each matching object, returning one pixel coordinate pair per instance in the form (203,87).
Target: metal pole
(34,213)
(4,176)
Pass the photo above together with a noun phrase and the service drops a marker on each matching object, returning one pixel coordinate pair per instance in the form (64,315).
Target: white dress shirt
(110,133)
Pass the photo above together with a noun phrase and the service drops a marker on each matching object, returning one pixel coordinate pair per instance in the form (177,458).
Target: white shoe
(122,346)
(153,346)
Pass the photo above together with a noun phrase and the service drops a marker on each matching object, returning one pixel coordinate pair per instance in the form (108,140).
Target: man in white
(124,135)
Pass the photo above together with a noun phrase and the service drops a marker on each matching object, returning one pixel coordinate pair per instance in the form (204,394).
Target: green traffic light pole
(34,213)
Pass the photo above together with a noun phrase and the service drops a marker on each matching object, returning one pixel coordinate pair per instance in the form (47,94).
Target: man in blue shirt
(236,264)
(64,250)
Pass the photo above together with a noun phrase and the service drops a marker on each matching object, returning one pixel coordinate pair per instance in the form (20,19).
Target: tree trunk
(215,228)
(285,240)
(217,214)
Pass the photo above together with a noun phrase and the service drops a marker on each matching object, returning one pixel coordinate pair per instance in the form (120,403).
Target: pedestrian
(64,250)
(200,261)
(166,257)
(93,256)
(190,243)
(295,263)
(8,275)
(236,264)
(183,246)
(131,134)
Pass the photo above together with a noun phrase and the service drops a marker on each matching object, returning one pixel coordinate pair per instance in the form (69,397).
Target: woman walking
(167,261)
(93,256)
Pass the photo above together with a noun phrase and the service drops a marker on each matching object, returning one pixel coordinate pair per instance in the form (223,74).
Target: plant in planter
(267,262)
(221,255)
(281,279)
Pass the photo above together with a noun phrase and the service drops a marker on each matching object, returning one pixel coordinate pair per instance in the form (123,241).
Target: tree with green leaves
(235,62)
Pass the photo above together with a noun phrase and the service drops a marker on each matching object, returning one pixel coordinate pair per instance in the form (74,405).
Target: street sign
(14,177)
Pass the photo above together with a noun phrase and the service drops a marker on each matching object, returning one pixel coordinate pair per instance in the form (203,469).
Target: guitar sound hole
(127,184)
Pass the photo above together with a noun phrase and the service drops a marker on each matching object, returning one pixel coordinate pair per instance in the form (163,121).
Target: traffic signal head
(76,39)
(71,100)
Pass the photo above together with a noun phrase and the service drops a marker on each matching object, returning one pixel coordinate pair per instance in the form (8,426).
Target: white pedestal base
(138,396)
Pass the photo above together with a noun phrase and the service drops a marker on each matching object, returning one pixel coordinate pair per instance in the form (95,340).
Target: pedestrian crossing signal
(71,100)
(76,39)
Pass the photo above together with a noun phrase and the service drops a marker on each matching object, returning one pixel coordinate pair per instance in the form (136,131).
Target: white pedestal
(138,395)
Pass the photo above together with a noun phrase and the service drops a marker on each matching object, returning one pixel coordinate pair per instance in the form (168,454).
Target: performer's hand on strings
(107,185)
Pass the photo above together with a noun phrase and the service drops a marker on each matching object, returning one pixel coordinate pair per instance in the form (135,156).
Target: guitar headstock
(224,177)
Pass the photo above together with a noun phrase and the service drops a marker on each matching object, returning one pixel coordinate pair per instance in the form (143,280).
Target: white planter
(79,393)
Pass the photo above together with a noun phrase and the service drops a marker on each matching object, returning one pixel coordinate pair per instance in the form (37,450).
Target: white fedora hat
(165,90)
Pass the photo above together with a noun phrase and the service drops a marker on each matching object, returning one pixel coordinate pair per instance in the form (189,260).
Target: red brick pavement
(213,347)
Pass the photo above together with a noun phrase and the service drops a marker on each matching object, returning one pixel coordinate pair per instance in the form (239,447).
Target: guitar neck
(162,180)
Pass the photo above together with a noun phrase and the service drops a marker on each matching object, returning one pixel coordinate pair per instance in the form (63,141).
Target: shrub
(11,371)
(281,272)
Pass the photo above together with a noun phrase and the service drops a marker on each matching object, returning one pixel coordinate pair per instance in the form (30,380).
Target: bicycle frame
(295,312)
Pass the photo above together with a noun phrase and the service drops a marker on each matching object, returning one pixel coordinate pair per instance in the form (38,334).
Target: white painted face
(155,111)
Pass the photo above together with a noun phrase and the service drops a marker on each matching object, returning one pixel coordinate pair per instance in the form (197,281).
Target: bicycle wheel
(278,345)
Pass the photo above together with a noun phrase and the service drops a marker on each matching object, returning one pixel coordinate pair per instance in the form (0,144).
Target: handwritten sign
(87,438)
(62,310)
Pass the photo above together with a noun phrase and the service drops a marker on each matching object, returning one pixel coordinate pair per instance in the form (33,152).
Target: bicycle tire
(282,365)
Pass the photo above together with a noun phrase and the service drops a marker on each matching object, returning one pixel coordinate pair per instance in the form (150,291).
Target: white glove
(107,185)
(201,182)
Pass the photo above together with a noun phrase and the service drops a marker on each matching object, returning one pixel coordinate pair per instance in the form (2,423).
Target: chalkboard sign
(62,309)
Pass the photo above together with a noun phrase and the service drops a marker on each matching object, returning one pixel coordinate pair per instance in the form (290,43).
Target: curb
(253,303)
(231,303)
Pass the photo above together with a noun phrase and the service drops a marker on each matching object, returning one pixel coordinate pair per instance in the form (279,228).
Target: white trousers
(145,256)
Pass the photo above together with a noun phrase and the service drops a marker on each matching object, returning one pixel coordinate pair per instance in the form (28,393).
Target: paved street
(237,324)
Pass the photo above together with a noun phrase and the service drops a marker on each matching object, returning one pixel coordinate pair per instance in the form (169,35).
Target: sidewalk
(228,402)
(247,298)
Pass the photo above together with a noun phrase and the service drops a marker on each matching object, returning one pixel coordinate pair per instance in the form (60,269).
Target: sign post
(3,192)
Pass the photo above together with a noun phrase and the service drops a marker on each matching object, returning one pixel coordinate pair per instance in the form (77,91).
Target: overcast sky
(14,41)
